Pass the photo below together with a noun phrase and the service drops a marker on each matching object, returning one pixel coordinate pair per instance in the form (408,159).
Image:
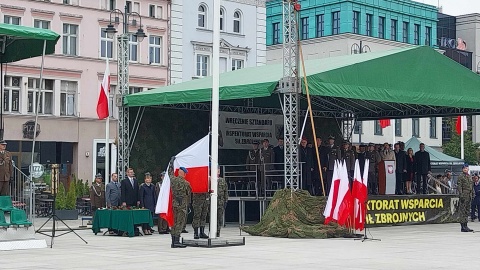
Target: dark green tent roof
(23,42)
(436,157)
(400,83)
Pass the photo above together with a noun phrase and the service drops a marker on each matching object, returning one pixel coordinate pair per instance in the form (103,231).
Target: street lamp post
(123,140)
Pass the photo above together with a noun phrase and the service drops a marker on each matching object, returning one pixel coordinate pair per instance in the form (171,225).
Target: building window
(155,49)
(41,24)
(133,43)
(128,6)
(106,45)
(406,33)
(335,22)
(155,11)
(276,33)
(320,25)
(237,20)
(356,22)
(46,99)
(378,129)
(11,94)
(433,127)
(304,28)
(136,7)
(12,20)
(358,128)
(393,30)
(134,89)
(416,127)
(381,27)
(369,24)
(237,64)
(70,2)
(398,127)
(416,35)
(68,91)
(202,11)
(109,4)
(222,19)
(428,36)
(202,65)
(70,34)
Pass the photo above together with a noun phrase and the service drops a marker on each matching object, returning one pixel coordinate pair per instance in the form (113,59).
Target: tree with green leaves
(61,198)
(71,199)
(452,148)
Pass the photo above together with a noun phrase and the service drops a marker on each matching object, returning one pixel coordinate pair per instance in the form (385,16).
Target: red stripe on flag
(198,178)
(102,104)
(384,123)
(169,215)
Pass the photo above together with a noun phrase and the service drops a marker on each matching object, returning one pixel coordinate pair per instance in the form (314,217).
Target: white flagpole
(215,115)
(107,130)
(462,142)
(392,122)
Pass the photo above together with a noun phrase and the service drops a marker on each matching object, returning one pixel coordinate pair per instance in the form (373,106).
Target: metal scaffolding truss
(123,143)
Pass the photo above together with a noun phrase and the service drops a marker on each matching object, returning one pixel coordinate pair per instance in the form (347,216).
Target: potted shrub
(67,209)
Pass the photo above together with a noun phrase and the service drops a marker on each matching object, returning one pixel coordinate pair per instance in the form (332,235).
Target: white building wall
(188,39)
(346,44)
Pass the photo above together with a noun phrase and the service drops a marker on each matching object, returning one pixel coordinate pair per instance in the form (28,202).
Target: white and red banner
(360,195)
(340,202)
(164,202)
(102,103)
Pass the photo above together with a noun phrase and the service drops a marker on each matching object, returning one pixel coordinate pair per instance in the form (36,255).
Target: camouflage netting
(295,215)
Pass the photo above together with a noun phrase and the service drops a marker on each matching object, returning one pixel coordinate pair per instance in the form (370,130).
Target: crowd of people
(129,194)
(410,166)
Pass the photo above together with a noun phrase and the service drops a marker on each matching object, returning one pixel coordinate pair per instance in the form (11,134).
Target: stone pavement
(408,247)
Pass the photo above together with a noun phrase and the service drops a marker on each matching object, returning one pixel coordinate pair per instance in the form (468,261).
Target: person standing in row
(476,199)
(267,158)
(410,165)
(181,191)
(97,194)
(222,199)
(279,152)
(333,154)
(162,223)
(400,168)
(200,205)
(129,190)
(422,168)
(465,192)
(306,159)
(361,156)
(316,177)
(348,157)
(374,159)
(6,169)
(113,192)
(148,200)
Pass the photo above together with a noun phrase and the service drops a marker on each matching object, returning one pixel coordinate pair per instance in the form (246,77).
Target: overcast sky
(455,7)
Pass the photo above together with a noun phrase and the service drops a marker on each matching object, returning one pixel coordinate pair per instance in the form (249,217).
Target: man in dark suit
(306,158)
(279,155)
(129,190)
(423,168)
(400,168)
(323,154)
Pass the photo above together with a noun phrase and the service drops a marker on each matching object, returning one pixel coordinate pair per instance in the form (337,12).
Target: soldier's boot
(202,233)
(176,242)
(464,227)
(218,234)
(184,231)
(467,228)
(195,233)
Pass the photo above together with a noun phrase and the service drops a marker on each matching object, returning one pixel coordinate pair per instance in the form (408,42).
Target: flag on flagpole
(461,124)
(164,205)
(344,207)
(332,195)
(102,103)
(384,123)
(196,159)
(360,194)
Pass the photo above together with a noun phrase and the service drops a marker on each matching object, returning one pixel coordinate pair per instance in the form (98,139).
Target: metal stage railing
(20,191)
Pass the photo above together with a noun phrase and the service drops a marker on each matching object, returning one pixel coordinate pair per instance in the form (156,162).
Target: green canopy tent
(18,43)
(400,83)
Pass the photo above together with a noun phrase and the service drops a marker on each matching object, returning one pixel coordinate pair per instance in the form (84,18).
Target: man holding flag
(181,191)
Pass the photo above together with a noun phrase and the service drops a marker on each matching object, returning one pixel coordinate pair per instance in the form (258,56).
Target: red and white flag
(196,160)
(332,195)
(384,123)
(461,124)
(360,194)
(344,207)
(102,103)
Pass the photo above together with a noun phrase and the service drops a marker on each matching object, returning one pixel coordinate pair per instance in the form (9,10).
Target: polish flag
(332,195)
(196,160)
(461,124)
(102,103)
(164,205)
(344,206)
(384,123)
(360,194)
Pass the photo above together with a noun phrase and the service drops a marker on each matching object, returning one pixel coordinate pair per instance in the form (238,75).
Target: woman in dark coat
(148,200)
(410,170)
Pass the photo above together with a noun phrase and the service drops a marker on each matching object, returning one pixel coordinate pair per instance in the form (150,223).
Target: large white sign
(239,131)
(390,177)
(36,170)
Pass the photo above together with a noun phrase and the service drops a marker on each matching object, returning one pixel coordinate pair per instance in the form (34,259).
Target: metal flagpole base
(53,231)
(366,238)
(212,243)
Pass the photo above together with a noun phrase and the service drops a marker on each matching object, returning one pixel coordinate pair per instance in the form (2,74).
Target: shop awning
(400,83)
(20,42)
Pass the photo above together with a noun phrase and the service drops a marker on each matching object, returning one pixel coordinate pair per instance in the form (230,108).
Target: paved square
(407,247)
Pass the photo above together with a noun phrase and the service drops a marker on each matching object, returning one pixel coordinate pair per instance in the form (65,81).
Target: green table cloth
(122,220)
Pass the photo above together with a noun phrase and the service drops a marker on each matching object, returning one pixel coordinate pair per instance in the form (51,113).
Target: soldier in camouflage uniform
(373,158)
(348,156)
(333,153)
(181,190)
(221,201)
(465,191)
(200,205)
